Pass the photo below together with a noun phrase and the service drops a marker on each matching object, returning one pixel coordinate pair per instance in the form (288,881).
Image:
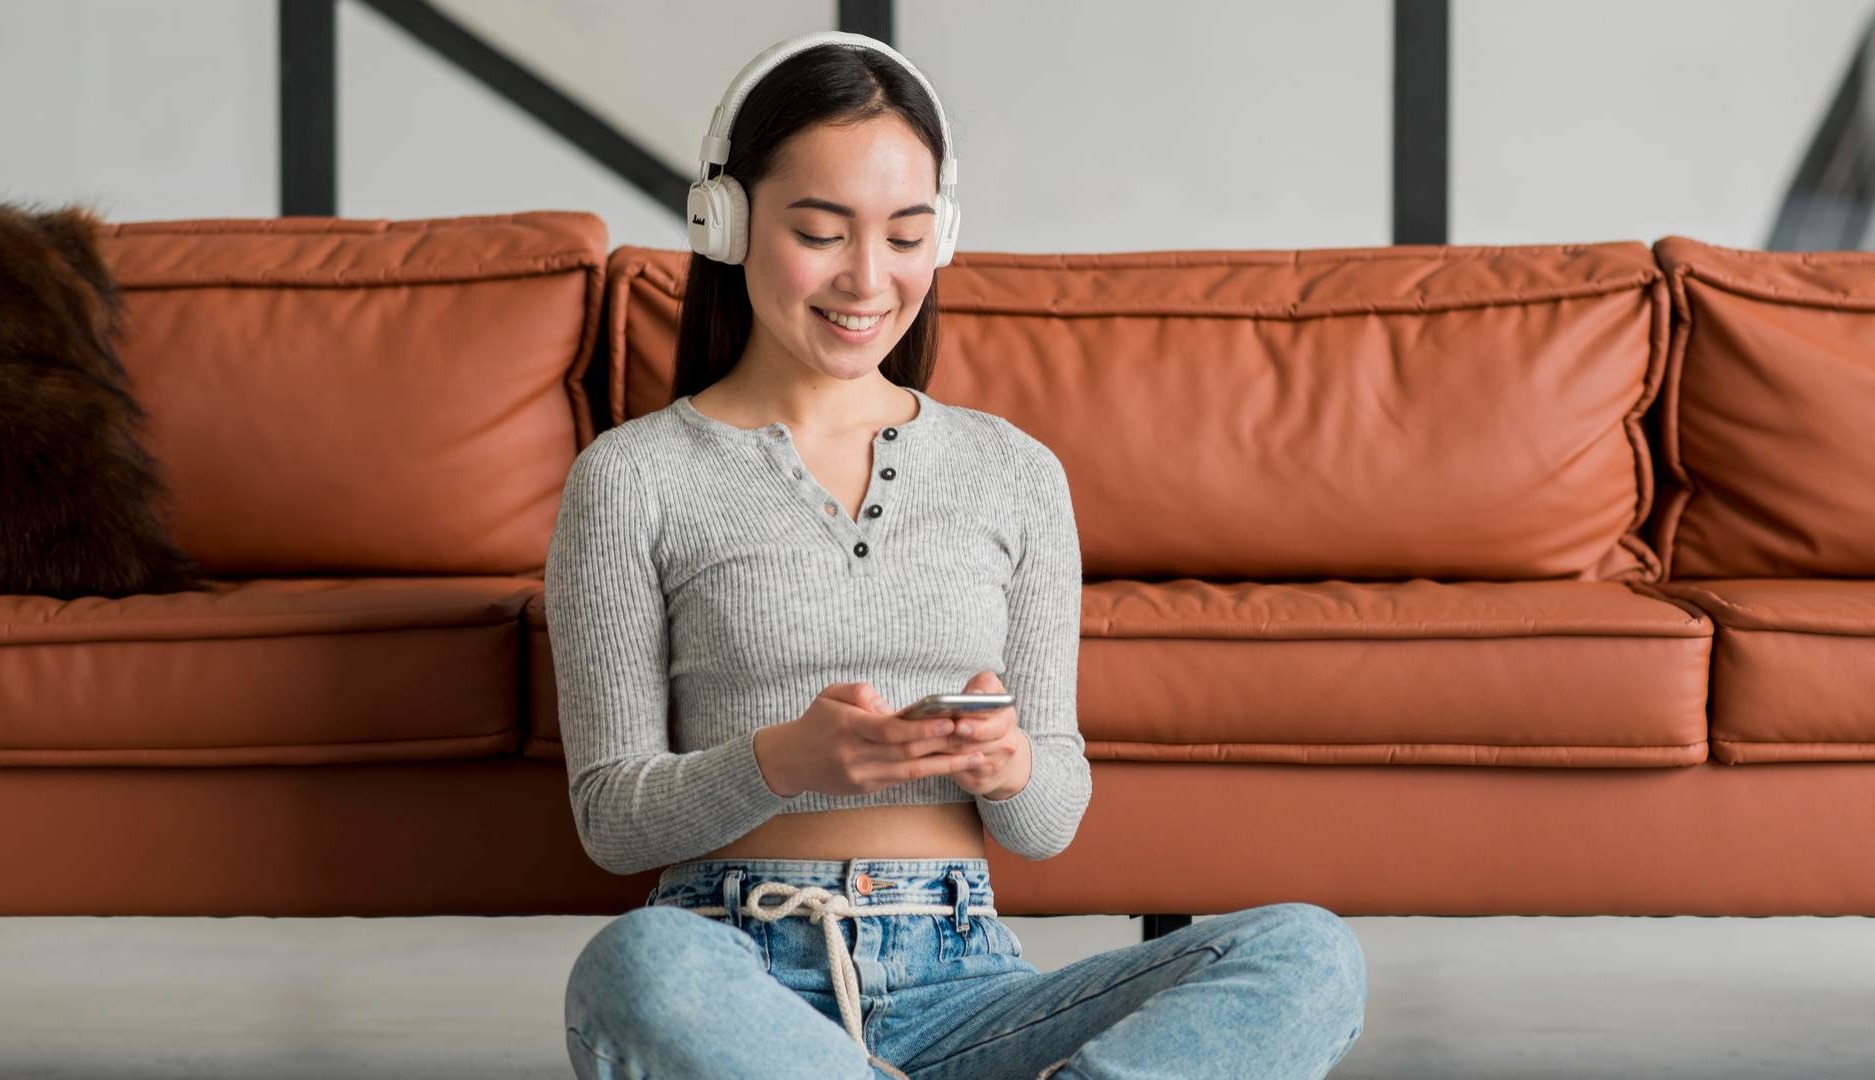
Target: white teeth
(849,322)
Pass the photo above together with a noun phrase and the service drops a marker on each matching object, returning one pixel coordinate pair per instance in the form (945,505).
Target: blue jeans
(664,992)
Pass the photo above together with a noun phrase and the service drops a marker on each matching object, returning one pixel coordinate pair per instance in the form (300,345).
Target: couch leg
(1157,926)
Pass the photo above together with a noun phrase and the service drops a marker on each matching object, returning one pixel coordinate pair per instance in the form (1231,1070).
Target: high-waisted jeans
(666,992)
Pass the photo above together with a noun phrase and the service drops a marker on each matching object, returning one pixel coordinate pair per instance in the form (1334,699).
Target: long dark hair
(825,84)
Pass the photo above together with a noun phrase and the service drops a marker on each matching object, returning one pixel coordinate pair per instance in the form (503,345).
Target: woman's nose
(865,272)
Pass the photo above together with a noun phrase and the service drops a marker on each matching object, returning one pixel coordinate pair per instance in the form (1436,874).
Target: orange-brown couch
(1419,580)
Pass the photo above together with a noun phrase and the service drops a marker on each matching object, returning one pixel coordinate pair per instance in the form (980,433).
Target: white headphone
(718,208)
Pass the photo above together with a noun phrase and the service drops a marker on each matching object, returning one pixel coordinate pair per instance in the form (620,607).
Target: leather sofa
(1419,580)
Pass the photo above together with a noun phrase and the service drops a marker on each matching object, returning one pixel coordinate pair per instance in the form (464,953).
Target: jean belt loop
(732,896)
(962,889)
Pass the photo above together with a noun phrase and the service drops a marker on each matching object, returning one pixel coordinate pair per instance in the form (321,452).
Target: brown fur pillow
(78,495)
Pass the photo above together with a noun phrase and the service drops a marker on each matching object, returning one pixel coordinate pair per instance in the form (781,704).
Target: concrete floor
(473,998)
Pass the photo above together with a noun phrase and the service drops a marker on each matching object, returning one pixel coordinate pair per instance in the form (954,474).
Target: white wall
(1089,126)
(419,138)
(1176,124)
(143,109)
(1612,119)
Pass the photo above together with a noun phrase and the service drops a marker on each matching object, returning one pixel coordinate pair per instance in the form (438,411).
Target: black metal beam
(1421,120)
(1828,205)
(308,107)
(567,118)
(870,17)
(1157,926)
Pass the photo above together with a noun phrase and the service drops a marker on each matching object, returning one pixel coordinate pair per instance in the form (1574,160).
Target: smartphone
(953,704)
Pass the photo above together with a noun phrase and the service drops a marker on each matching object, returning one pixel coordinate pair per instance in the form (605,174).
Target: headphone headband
(715,150)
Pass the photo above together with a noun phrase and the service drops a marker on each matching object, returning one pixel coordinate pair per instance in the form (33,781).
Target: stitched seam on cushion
(1126,260)
(1799,632)
(1634,424)
(968,304)
(426,740)
(1680,336)
(1106,634)
(1765,294)
(501,622)
(1293,310)
(1109,743)
(548,265)
(1794,742)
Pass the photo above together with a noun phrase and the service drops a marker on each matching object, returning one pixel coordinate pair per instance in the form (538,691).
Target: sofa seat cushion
(1793,671)
(265,672)
(1558,673)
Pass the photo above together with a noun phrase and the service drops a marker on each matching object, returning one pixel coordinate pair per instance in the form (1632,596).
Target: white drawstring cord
(827,908)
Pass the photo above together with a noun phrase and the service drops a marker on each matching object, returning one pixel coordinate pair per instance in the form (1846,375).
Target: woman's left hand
(998,736)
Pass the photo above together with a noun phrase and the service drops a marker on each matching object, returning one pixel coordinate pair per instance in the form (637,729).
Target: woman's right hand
(850,742)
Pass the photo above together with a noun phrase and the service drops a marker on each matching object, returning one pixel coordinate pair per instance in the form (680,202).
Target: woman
(800,543)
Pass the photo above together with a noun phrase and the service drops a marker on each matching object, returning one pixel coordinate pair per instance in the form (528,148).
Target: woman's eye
(823,241)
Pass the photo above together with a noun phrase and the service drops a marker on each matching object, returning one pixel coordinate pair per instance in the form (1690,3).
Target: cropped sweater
(701,584)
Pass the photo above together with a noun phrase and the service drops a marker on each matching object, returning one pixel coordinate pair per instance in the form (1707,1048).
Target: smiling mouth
(847,322)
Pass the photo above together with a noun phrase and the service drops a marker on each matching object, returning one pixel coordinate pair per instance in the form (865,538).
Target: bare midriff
(931,831)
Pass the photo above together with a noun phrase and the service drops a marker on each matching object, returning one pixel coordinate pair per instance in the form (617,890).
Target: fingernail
(963,729)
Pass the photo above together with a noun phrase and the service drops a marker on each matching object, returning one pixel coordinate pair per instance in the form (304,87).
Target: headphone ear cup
(717,219)
(736,219)
(700,220)
(949,217)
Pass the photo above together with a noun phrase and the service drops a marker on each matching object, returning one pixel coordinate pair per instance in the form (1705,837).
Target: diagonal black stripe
(560,113)
(308,107)
(870,17)
(1421,120)
(1827,207)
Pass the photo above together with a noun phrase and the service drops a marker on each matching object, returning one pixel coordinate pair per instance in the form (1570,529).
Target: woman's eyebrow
(847,211)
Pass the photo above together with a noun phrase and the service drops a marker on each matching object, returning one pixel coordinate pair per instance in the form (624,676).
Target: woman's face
(844,223)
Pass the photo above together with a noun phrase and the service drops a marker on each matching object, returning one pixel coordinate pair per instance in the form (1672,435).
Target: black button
(890,433)
(888,473)
(874,510)
(860,550)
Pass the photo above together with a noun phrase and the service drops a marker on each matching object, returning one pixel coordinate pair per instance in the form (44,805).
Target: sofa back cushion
(1769,396)
(1443,412)
(362,397)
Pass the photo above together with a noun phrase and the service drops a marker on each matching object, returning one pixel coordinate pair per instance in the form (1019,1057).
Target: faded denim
(665,993)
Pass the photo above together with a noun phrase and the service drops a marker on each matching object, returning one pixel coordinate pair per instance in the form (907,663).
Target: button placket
(872,507)
(850,534)
(860,543)
(863,543)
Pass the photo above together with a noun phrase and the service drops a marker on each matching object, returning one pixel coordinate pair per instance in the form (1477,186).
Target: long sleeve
(1041,656)
(636,804)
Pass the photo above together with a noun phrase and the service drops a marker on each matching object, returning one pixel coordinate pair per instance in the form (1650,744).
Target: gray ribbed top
(701,584)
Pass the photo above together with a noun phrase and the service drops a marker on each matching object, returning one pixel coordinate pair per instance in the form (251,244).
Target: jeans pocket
(987,937)
(759,933)
(1005,942)
(756,931)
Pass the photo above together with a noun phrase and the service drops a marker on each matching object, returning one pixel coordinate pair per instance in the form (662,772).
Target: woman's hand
(1007,752)
(850,742)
